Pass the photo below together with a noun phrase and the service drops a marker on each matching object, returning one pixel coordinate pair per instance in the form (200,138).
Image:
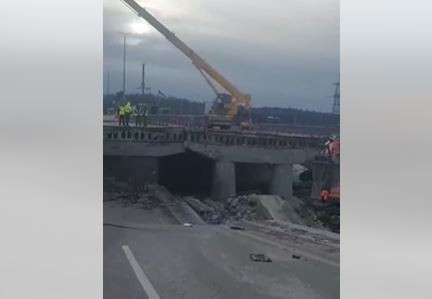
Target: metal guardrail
(184,135)
(199,122)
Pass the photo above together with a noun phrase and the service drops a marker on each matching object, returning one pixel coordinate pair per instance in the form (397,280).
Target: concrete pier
(224,184)
(281,183)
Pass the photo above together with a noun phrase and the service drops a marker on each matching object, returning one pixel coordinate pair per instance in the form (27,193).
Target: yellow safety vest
(128,108)
(122,111)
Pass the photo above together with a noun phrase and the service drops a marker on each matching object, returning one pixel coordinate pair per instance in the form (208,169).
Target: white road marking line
(144,281)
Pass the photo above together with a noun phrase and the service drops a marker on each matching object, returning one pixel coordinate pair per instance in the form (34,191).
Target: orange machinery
(332,194)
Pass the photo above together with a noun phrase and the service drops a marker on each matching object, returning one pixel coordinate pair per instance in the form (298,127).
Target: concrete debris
(237,227)
(179,209)
(131,198)
(257,208)
(201,208)
(232,212)
(150,197)
(260,257)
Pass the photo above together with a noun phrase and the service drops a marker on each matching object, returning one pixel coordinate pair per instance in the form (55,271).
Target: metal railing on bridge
(221,138)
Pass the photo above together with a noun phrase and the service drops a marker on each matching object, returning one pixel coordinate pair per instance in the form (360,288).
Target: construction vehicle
(330,195)
(333,149)
(230,108)
(332,154)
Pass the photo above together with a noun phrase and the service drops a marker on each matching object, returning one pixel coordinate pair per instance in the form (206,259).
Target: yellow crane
(227,107)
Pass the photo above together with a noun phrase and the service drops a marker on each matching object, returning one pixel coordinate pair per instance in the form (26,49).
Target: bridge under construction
(195,192)
(139,154)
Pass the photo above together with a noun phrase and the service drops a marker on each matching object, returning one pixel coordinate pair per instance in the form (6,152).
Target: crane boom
(237,97)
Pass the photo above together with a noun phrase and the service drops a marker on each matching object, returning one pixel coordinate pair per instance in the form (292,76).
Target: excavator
(231,108)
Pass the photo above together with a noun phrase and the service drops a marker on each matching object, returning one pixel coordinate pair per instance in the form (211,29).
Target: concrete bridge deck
(224,148)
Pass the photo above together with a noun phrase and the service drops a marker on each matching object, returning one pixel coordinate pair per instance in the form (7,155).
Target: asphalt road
(173,261)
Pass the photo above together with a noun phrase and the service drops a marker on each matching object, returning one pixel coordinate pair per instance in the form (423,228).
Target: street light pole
(108,81)
(143,80)
(124,64)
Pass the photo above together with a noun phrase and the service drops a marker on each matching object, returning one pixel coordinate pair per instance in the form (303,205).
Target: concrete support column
(319,179)
(281,183)
(224,183)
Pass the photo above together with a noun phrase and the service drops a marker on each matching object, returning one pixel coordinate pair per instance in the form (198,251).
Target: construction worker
(325,195)
(117,114)
(136,113)
(144,112)
(128,111)
(121,115)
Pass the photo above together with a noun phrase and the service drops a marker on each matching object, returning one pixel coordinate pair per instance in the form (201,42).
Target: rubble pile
(266,207)
(129,195)
(329,215)
(234,209)
(250,207)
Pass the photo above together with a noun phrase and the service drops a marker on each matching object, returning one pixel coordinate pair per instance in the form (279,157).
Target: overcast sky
(283,52)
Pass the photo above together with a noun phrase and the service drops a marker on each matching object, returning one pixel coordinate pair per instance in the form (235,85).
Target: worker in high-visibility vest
(128,111)
(144,112)
(136,113)
(324,195)
(121,115)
